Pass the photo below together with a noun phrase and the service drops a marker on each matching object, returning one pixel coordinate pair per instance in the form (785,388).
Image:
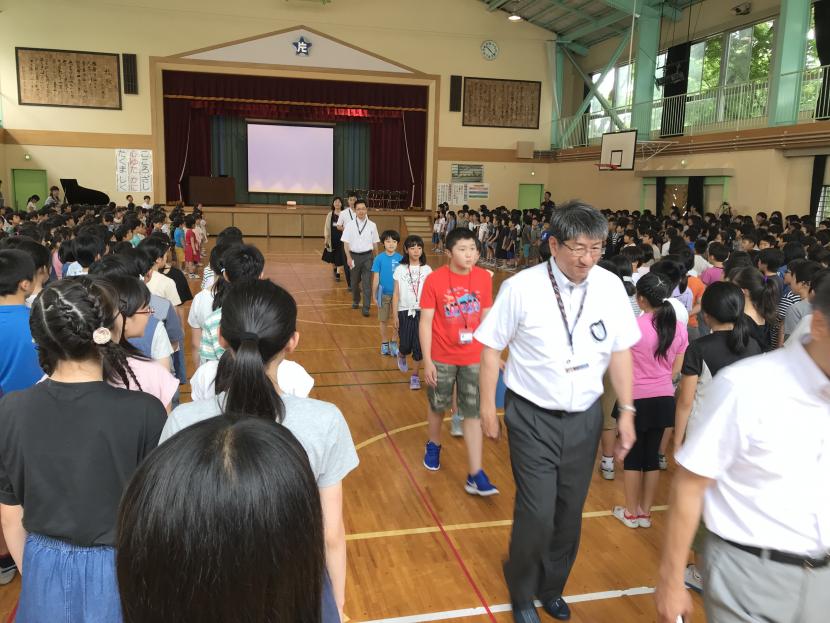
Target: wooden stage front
(280,221)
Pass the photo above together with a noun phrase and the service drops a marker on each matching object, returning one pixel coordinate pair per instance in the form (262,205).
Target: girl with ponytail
(761,298)
(68,447)
(730,340)
(656,359)
(240,264)
(258,329)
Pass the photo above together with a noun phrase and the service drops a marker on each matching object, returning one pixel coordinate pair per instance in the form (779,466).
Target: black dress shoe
(557,608)
(366,313)
(355,305)
(525,613)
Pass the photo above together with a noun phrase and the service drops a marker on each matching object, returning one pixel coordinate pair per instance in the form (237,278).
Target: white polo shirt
(346,216)
(767,447)
(525,316)
(361,235)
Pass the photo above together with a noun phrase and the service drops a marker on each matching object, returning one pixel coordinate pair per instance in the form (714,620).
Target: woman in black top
(334,246)
(761,307)
(68,447)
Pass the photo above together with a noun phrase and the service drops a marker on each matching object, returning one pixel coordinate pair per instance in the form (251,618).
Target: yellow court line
(395,431)
(501,523)
(334,324)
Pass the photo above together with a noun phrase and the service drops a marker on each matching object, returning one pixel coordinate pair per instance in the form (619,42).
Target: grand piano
(76,194)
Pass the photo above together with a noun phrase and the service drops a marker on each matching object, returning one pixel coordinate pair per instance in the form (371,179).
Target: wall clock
(489,50)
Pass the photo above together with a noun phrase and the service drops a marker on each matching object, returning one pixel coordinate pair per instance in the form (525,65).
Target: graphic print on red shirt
(458,301)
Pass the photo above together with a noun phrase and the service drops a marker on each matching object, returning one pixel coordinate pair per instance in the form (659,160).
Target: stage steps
(418,226)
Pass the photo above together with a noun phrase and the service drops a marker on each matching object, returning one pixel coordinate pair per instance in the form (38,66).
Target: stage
(280,221)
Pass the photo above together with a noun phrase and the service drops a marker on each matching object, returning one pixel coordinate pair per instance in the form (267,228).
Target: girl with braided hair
(68,447)
(657,359)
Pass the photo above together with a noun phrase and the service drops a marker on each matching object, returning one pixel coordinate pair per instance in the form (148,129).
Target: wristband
(630,408)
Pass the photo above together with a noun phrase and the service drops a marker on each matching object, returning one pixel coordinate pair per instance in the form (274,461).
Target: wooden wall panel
(288,225)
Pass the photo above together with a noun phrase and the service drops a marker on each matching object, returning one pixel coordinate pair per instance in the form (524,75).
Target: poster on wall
(478,191)
(466,173)
(444,193)
(134,170)
(68,78)
(458,194)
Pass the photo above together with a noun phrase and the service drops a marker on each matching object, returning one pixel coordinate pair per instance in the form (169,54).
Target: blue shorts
(66,583)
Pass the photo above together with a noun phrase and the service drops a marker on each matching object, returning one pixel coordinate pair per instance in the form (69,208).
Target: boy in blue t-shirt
(178,239)
(383,285)
(19,366)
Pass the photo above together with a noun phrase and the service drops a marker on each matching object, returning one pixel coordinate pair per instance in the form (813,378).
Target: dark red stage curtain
(397,158)
(299,90)
(186,145)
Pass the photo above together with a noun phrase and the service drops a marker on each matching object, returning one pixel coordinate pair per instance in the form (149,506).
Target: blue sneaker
(480,485)
(393,349)
(432,457)
(384,349)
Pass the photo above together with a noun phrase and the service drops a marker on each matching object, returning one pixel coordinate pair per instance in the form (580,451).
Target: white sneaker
(644,521)
(606,471)
(456,430)
(662,462)
(693,579)
(629,521)
(7,574)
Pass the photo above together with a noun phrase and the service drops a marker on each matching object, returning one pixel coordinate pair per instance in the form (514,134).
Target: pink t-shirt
(652,375)
(154,379)
(711,275)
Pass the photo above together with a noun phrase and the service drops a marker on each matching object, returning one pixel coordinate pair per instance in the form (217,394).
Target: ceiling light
(515,17)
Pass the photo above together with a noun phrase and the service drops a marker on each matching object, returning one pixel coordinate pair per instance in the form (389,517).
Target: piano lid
(76,194)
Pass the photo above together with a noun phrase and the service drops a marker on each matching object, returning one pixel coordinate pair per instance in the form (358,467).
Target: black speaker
(130,65)
(455,93)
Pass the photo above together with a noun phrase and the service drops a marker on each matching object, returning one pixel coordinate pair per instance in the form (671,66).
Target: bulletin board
(68,78)
(493,103)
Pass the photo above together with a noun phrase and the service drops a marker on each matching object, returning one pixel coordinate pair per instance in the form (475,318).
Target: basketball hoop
(606,166)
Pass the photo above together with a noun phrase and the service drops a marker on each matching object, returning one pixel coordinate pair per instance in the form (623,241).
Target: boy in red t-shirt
(191,246)
(455,300)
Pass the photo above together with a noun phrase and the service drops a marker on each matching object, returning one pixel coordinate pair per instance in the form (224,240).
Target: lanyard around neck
(568,330)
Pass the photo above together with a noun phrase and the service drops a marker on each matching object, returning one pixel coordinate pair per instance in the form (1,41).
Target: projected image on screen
(290,159)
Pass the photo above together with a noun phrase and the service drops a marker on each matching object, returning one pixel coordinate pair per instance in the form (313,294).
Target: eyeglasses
(149,310)
(583,251)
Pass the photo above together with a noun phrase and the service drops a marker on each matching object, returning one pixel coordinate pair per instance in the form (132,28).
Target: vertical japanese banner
(133,170)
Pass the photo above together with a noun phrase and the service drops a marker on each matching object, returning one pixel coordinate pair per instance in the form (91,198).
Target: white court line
(468,612)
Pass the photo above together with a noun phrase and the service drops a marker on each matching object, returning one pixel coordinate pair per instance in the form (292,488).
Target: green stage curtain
(229,156)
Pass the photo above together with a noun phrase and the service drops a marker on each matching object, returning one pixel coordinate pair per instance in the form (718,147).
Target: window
(823,211)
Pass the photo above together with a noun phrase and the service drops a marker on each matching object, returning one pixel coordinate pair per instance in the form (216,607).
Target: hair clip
(101,336)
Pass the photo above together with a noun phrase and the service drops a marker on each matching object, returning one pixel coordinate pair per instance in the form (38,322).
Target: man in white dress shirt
(565,321)
(756,463)
(360,238)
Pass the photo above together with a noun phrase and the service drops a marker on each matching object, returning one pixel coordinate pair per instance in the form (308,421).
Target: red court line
(421,493)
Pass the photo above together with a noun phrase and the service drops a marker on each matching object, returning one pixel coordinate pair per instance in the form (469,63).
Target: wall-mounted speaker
(524,149)
(130,70)
(455,93)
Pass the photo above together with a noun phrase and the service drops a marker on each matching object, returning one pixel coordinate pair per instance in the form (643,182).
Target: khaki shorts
(180,256)
(462,378)
(608,400)
(385,311)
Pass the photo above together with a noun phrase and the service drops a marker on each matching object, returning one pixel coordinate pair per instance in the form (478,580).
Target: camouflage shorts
(465,379)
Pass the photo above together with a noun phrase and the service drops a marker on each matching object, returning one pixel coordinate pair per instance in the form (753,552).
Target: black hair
(794,251)
(259,318)
(154,247)
(228,235)
(15,266)
(672,267)
(804,271)
(820,288)
(222,523)
(133,294)
(656,288)
(763,293)
(738,259)
(240,263)
(189,221)
(457,235)
(64,317)
(390,233)
(724,301)
(773,259)
(413,241)
(335,198)
(87,248)
(35,250)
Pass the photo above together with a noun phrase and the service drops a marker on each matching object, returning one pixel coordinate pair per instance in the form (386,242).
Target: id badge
(465,336)
(575,365)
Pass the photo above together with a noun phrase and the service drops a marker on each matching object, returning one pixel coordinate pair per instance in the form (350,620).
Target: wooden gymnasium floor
(419,547)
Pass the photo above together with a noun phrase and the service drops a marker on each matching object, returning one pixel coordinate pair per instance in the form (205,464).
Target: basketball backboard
(618,150)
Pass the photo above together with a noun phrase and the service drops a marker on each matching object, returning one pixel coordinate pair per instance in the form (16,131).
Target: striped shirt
(209,348)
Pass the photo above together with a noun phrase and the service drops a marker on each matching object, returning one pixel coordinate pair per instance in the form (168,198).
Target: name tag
(465,336)
(576,365)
